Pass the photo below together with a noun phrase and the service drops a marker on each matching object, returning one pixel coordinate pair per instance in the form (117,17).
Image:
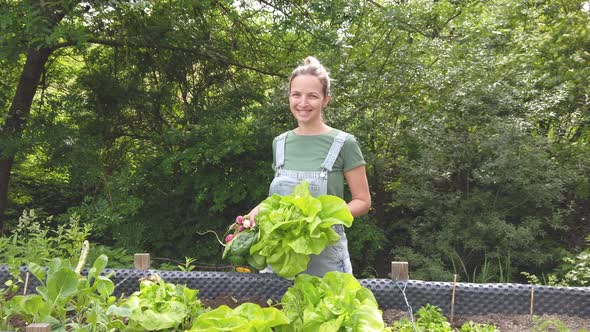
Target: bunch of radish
(242,223)
(240,236)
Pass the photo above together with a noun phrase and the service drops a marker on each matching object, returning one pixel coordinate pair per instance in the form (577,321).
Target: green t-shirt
(306,153)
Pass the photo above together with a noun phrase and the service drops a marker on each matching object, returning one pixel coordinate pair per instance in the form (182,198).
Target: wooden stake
(532,300)
(26,283)
(453,298)
(142,261)
(399,271)
(83,257)
(38,327)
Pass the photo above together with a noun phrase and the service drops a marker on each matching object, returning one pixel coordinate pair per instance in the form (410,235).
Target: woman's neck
(307,129)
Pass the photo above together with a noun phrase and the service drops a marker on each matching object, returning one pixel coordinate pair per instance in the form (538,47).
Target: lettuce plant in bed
(159,305)
(246,317)
(336,302)
(294,226)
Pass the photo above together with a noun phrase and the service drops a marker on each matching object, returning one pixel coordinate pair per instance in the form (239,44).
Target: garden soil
(504,323)
(510,323)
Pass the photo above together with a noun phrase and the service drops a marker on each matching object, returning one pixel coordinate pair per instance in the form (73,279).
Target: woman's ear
(326,100)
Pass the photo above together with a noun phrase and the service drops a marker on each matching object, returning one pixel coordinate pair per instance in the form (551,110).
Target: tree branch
(209,53)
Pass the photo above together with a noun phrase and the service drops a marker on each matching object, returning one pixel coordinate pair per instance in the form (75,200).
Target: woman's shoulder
(331,135)
(281,136)
(348,137)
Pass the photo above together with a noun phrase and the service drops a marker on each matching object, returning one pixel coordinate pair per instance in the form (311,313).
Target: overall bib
(335,257)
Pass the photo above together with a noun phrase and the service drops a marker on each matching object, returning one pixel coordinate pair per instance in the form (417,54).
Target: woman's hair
(311,66)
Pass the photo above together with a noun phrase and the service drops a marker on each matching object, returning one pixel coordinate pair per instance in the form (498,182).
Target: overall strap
(280,150)
(334,151)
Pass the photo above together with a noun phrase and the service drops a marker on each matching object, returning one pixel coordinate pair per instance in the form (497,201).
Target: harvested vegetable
(238,243)
(294,226)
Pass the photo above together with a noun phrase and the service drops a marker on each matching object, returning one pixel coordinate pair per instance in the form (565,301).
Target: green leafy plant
(245,317)
(575,272)
(33,240)
(159,305)
(294,226)
(474,327)
(188,265)
(239,238)
(580,272)
(336,302)
(551,325)
(487,271)
(119,258)
(546,279)
(65,298)
(431,319)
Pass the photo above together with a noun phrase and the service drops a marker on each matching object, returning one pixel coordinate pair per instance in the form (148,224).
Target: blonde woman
(323,156)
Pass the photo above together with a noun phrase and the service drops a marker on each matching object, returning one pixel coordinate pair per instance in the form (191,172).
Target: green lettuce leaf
(246,317)
(294,226)
(337,302)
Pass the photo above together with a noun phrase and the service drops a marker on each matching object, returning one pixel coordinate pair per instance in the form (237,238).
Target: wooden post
(38,327)
(399,271)
(142,261)
(532,300)
(453,298)
(26,283)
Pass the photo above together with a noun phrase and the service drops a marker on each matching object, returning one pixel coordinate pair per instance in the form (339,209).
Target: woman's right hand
(252,214)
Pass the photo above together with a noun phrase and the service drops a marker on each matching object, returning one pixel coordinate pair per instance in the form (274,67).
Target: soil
(510,323)
(504,323)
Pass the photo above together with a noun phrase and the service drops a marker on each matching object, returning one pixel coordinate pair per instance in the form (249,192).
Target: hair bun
(312,66)
(310,60)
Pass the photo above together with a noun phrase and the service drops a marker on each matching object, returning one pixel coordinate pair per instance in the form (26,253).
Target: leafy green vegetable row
(71,302)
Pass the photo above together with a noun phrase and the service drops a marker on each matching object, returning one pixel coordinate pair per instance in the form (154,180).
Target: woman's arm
(359,188)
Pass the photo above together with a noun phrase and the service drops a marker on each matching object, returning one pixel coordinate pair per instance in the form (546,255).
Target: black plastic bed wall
(469,299)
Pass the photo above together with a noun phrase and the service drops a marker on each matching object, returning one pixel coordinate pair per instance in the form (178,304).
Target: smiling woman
(320,155)
(309,93)
(306,100)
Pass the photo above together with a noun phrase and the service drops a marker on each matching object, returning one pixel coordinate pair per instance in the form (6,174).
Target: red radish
(241,228)
(228,238)
(239,220)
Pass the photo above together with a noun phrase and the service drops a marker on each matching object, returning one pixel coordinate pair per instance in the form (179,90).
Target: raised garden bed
(507,306)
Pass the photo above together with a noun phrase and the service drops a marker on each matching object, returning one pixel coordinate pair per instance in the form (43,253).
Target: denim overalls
(335,257)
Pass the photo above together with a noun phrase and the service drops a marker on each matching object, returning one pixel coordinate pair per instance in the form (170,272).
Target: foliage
(431,319)
(336,302)
(294,226)
(365,243)
(579,275)
(492,205)
(33,240)
(574,271)
(159,305)
(64,297)
(245,317)
(119,258)
(237,250)
(551,325)
(549,280)
(70,301)
(152,121)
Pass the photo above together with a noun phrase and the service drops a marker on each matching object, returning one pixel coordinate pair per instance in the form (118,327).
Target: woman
(321,155)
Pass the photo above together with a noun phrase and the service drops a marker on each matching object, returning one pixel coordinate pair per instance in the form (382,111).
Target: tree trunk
(17,115)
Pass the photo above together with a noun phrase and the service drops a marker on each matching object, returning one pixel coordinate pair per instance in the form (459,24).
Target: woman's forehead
(306,82)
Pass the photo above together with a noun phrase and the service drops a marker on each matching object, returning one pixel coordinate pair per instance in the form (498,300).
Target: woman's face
(306,99)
